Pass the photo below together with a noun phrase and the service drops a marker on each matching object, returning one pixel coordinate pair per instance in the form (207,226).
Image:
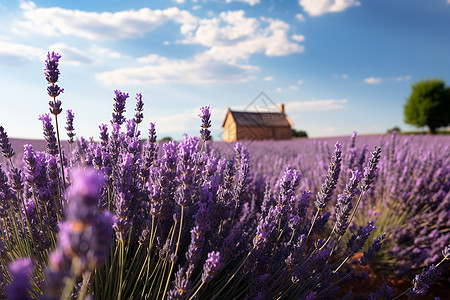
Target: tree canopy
(428,105)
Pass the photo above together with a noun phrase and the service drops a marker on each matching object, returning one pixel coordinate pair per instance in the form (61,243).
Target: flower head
(205,115)
(20,270)
(51,67)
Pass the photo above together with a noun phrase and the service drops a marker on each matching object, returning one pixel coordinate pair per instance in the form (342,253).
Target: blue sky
(338,65)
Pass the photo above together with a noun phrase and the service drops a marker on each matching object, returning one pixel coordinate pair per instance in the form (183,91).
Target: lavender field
(123,216)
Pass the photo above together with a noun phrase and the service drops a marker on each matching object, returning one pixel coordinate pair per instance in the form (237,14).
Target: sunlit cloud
(190,71)
(268,78)
(11,53)
(403,78)
(373,80)
(250,2)
(320,7)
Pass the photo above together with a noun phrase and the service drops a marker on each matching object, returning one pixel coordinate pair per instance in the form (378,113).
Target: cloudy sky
(338,65)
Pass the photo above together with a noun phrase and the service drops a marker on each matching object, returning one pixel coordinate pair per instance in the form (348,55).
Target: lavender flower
(446,252)
(5,145)
(334,169)
(86,233)
(211,267)
(51,67)
(139,108)
(104,134)
(69,126)
(422,281)
(20,271)
(205,115)
(383,292)
(119,107)
(344,203)
(369,171)
(49,134)
(369,255)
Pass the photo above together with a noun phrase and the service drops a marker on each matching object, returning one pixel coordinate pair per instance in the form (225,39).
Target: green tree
(428,105)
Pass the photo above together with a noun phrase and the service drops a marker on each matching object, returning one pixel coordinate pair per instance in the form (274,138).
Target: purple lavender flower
(119,107)
(334,169)
(212,265)
(423,281)
(69,126)
(20,271)
(369,171)
(83,195)
(5,145)
(139,108)
(205,115)
(104,134)
(51,67)
(344,204)
(383,292)
(86,233)
(49,134)
(369,255)
(446,252)
(357,241)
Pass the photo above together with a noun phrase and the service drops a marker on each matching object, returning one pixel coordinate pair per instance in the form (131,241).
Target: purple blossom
(104,134)
(119,107)
(212,265)
(139,108)
(5,145)
(344,204)
(49,134)
(369,255)
(383,292)
(69,126)
(423,281)
(20,271)
(334,169)
(369,171)
(205,115)
(51,67)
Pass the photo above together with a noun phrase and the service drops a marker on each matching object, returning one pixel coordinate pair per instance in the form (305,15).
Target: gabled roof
(269,119)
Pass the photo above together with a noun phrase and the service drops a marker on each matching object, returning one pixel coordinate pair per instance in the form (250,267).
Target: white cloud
(300,82)
(279,90)
(344,76)
(403,78)
(373,80)
(320,7)
(250,2)
(293,87)
(179,1)
(194,71)
(301,17)
(232,36)
(56,21)
(315,105)
(100,51)
(298,37)
(196,7)
(11,53)
(71,55)
(268,78)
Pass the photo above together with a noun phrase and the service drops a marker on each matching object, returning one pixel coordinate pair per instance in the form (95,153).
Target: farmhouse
(246,125)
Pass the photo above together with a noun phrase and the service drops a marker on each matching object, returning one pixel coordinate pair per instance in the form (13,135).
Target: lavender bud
(5,145)
(423,281)
(369,255)
(139,108)
(205,115)
(211,266)
(20,271)
(334,169)
(119,107)
(49,134)
(369,171)
(51,67)
(69,126)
